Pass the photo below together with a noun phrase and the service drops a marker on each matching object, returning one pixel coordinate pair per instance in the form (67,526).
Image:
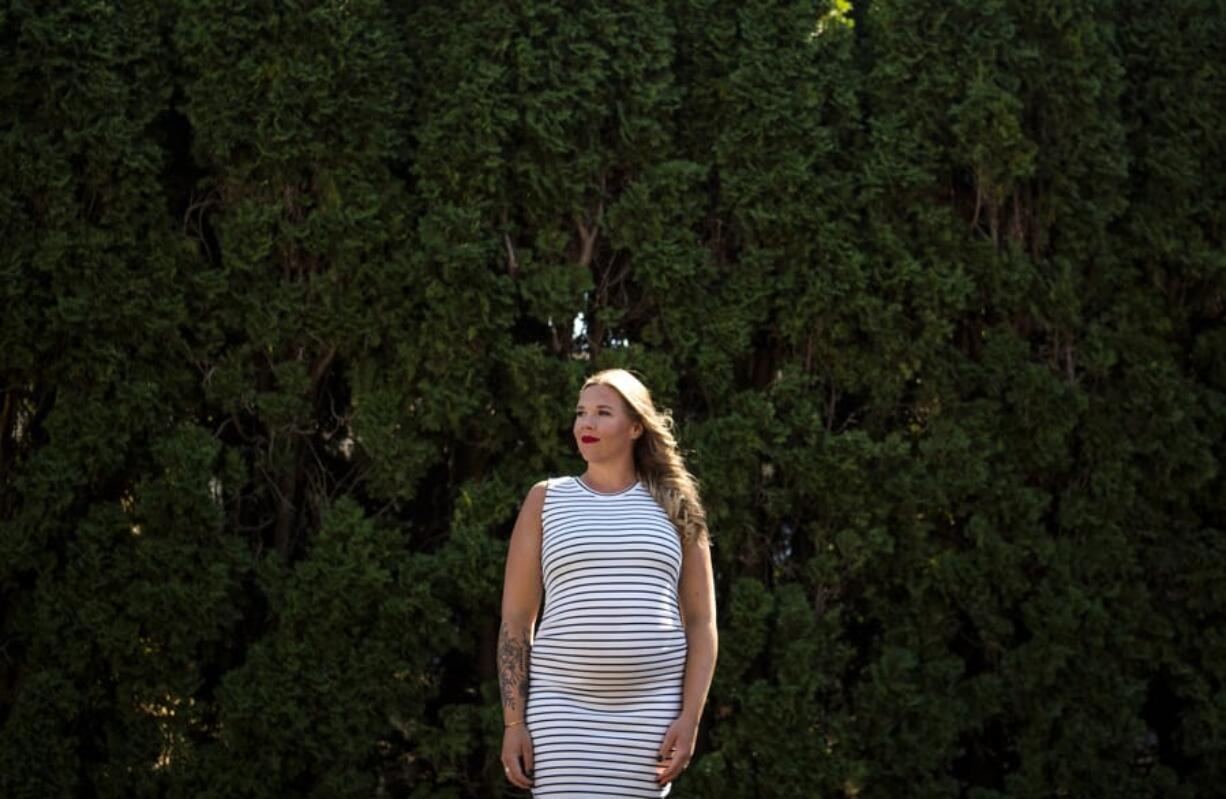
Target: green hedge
(297,297)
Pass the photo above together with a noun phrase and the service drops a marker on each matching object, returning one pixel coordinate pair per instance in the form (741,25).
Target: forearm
(702,642)
(514,653)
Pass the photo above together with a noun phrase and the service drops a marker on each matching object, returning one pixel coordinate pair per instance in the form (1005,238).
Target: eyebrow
(602,405)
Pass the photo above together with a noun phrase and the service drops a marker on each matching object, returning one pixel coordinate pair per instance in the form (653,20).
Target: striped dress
(608,659)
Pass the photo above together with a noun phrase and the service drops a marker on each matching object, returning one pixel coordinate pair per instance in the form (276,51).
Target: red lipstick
(588,439)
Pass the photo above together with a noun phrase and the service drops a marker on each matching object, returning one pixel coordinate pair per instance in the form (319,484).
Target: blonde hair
(657,458)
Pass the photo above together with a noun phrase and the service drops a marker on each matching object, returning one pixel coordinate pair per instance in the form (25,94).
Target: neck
(610,479)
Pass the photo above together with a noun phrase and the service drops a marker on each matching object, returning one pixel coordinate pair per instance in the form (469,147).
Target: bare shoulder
(534,503)
(536,494)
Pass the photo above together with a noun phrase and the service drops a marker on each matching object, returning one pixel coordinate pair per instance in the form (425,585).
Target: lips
(588,439)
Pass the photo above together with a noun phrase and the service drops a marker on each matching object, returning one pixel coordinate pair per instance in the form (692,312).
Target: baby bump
(612,663)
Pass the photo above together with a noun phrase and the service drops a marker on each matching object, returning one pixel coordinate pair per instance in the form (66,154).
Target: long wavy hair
(657,458)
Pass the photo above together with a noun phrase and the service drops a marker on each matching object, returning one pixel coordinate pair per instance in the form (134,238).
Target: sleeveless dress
(608,659)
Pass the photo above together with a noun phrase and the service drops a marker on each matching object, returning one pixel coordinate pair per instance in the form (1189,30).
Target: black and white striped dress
(608,659)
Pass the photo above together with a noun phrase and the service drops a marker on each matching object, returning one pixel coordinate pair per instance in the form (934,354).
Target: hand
(517,755)
(677,748)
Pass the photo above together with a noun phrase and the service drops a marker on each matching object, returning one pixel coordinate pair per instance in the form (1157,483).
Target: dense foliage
(297,298)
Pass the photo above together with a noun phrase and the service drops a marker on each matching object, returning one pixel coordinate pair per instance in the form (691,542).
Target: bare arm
(521,599)
(697,596)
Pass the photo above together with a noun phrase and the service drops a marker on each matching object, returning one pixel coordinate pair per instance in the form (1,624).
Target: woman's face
(603,427)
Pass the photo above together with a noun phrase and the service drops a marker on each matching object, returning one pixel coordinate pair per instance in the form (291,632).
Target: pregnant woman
(604,698)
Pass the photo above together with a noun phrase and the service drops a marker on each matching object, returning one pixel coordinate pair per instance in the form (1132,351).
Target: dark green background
(934,289)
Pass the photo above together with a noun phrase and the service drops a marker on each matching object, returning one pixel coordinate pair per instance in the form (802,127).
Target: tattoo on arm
(513,652)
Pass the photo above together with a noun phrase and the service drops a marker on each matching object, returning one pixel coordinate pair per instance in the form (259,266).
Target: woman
(605,698)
